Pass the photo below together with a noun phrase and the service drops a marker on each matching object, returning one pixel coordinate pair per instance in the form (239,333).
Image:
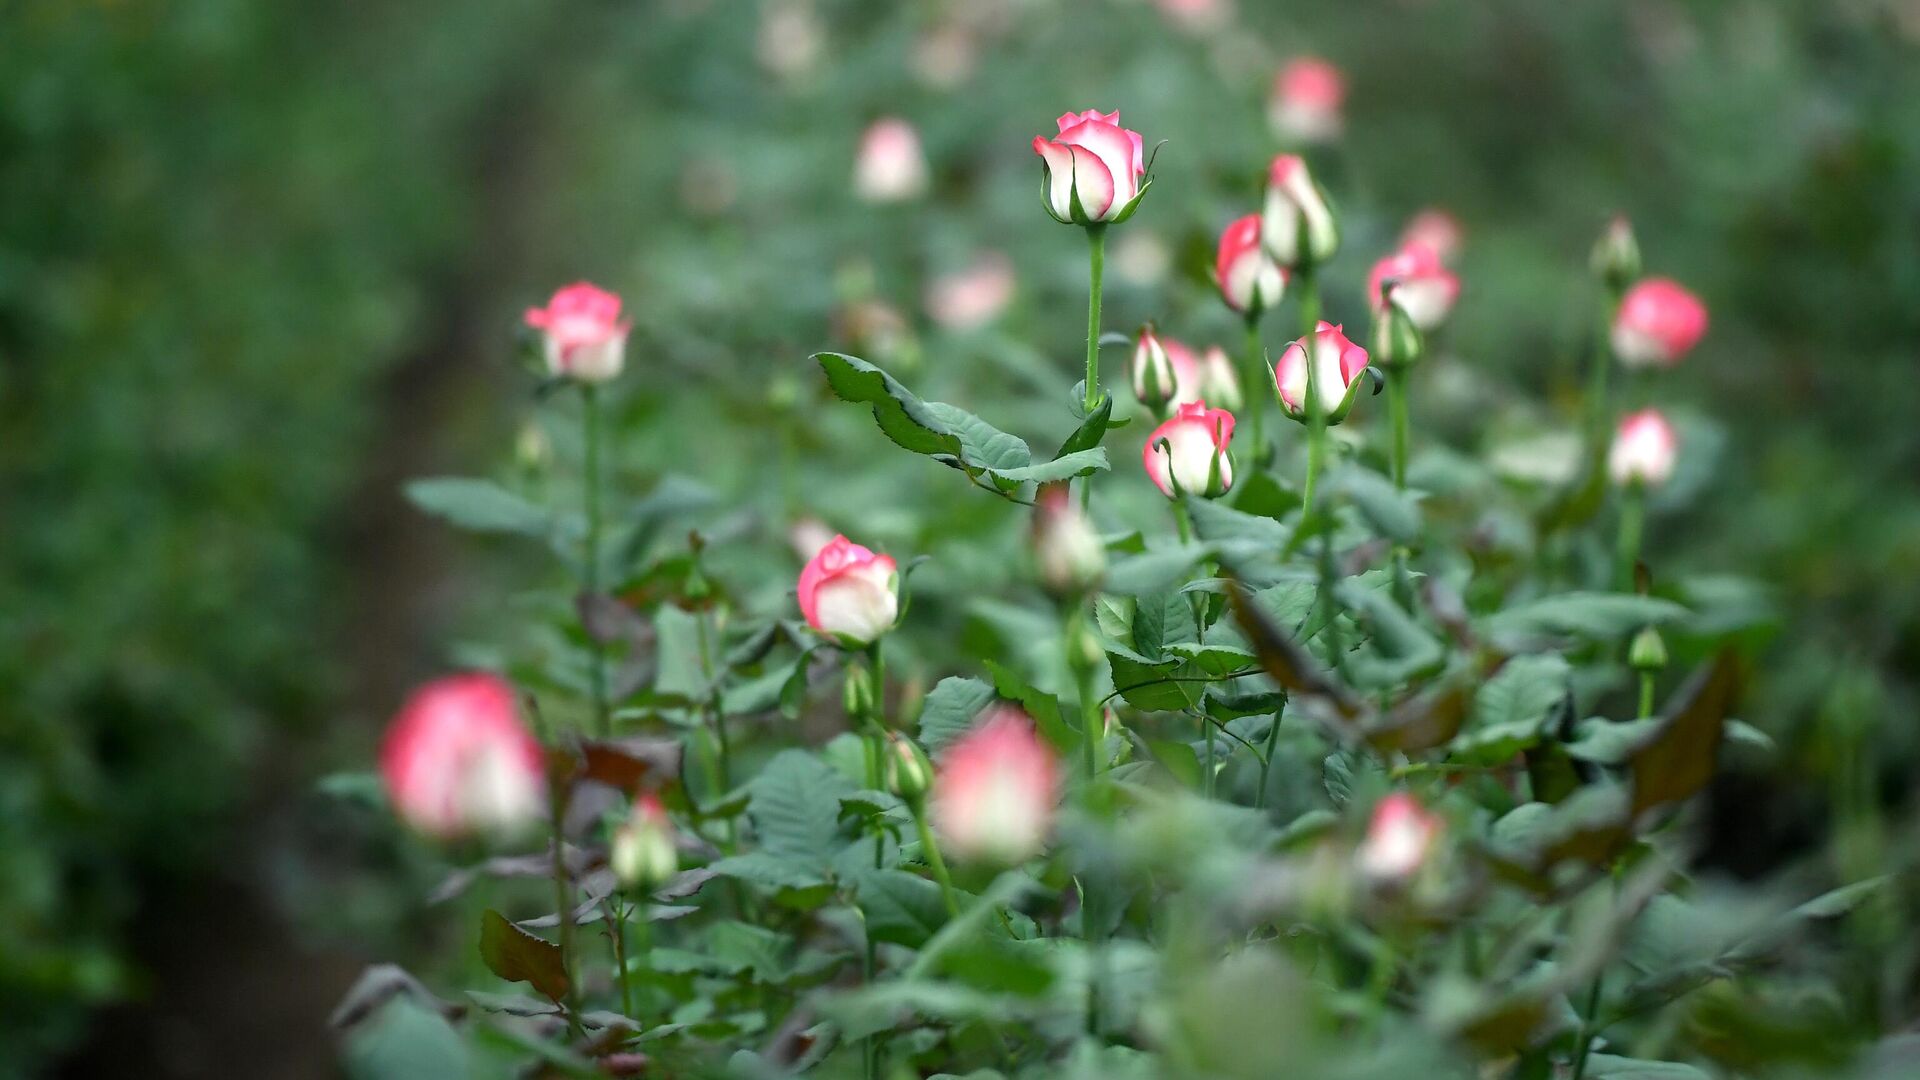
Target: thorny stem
(1096,268)
(590,409)
(934,860)
(1257,383)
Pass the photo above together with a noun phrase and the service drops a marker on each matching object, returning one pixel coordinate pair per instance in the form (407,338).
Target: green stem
(1083,682)
(1632,519)
(590,408)
(1258,382)
(1096,268)
(934,860)
(1646,694)
(1266,763)
(1588,1028)
(1181,520)
(617,933)
(1599,413)
(563,900)
(1207,782)
(1309,290)
(1397,413)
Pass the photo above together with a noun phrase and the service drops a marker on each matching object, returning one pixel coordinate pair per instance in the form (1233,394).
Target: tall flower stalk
(590,566)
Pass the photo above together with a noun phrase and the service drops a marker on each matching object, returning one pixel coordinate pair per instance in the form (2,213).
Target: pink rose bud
(1616,255)
(1188,454)
(1094,169)
(458,761)
(1219,382)
(1067,549)
(1399,838)
(1437,231)
(994,794)
(586,338)
(1644,450)
(1426,289)
(890,166)
(1337,364)
(1188,377)
(1296,221)
(1155,381)
(1659,323)
(1307,95)
(643,854)
(850,594)
(974,296)
(1249,279)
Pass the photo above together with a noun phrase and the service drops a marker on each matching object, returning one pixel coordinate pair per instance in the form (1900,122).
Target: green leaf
(1041,706)
(903,417)
(900,907)
(795,809)
(1155,570)
(1608,1067)
(1236,534)
(1160,619)
(1079,463)
(680,671)
(1392,513)
(950,710)
(1216,659)
(1091,430)
(403,1040)
(775,873)
(981,444)
(1590,615)
(1511,711)
(518,956)
(1167,687)
(479,505)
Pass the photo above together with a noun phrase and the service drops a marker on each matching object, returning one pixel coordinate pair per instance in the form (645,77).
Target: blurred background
(260,263)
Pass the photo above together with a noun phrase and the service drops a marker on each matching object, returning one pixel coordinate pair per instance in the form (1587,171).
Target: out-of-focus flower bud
(532,449)
(457,760)
(973,297)
(1423,285)
(994,795)
(1659,324)
(1219,382)
(808,535)
(1188,454)
(1644,450)
(848,593)
(1154,380)
(1095,169)
(1337,364)
(1197,16)
(1616,255)
(1437,231)
(643,854)
(1307,95)
(1396,337)
(909,773)
(890,166)
(1648,651)
(1250,281)
(1296,222)
(791,39)
(857,692)
(585,337)
(1066,548)
(1399,838)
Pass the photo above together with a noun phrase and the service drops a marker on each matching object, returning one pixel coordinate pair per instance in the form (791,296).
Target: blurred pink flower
(974,296)
(457,760)
(890,166)
(1337,364)
(1437,231)
(1426,289)
(1307,97)
(1659,324)
(849,593)
(1644,450)
(994,794)
(1399,838)
(585,337)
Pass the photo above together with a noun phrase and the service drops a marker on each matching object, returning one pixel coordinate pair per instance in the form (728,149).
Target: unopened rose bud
(1219,382)
(1399,838)
(586,340)
(1396,339)
(532,448)
(909,773)
(1296,222)
(643,854)
(1421,283)
(1188,454)
(994,794)
(972,297)
(857,692)
(1437,231)
(1616,255)
(850,594)
(458,761)
(1066,547)
(1648,652)
(1337,364)
(1658,325)
(1154,381)
(1250,280)
(1094,169)
(1307,95)
(890,166)
(1644,450)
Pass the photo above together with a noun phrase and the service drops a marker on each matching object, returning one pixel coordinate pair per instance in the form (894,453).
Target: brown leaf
(1422,721)
(1678,762)
(1288,662)
(628,763)
(517,956)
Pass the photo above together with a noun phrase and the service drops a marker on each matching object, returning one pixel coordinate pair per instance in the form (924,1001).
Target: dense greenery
(225,223)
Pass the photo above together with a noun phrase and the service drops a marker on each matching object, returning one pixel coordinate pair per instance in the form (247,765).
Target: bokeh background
(260,263)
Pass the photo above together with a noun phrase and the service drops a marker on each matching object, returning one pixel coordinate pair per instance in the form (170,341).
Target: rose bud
(1249,279)
(850,594)
(1188,378)
(585,336)
(1219,382)
(1658,324)
(1188,454)
(1066,548)
(1427,289)
(1307,95)
(1399,838)
(1616,255)
(909,773)
(457,760)
(1437,231)
(973,297)
(1648,651)
(643,854)
(1296,222)
(1155,382)
(890,166)
(1337,364)
(1396,342)
(1094,169)
(1644,450)
(994,794)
